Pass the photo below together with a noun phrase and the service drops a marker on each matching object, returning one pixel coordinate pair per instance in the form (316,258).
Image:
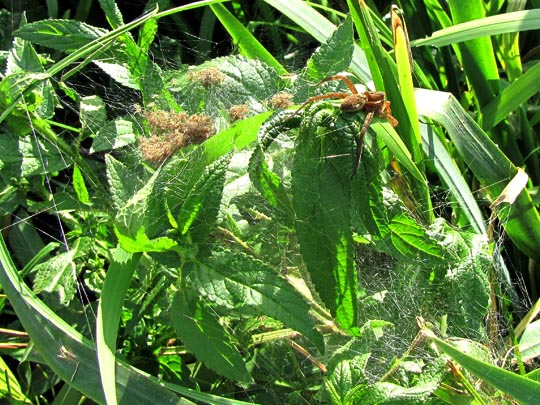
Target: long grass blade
(523,389)
(248,44)
(385,76)
(516,21)
(490,166)
(109,311)
(452,177)
(404,65)
(73,357)
(321,29)
(513,96)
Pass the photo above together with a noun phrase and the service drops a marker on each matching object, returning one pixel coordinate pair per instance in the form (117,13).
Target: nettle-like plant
(244,245)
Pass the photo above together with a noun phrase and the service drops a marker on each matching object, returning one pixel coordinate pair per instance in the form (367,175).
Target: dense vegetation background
(192,214)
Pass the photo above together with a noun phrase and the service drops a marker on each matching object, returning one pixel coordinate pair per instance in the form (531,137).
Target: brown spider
(371,102)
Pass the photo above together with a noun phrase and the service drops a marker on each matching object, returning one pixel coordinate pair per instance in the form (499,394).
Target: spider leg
(360,140)
(317,98)
(345,80)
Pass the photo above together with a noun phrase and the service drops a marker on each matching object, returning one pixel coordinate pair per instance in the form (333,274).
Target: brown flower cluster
(238,112)
(207,76)
(281,100)
(171,131)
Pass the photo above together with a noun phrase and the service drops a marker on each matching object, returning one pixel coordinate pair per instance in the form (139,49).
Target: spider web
(381,276)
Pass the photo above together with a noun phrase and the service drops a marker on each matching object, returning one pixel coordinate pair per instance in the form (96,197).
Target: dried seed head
(207,76)
(155,149)
(281,100)
(238,112)
(171,131)
(198,128)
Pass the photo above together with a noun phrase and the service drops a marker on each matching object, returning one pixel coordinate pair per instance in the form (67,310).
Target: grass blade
(523,389)
(248,44)
(385,74)
(490,166)
(452,177)
(524,20)
(109,312)
(513,96)
(478,57)
(321,29)
(73,358)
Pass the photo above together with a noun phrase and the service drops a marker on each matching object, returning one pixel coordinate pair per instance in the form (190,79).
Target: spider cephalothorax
(371,102)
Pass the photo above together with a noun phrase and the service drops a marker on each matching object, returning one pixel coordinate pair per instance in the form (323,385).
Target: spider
(371,102)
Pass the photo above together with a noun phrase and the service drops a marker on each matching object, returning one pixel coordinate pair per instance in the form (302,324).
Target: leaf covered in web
(92,114)
(187,195)
(270,186)
(114,135)
(215,86)
(390,392)
(321,196)
(237,281)
(332,57)
(411,239)
(123,180)
(27,156)
(56,276)
(346,377)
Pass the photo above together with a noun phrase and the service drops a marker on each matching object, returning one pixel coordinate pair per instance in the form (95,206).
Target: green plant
(234,255)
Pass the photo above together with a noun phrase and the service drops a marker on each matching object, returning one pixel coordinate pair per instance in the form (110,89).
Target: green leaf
(92,114)
(80,186)
(270,186)
(141,242)
(321,188)
(112,12)
(468,293)
(345,377)
(147,34)
(190,190)
(123,181)
(207,339)
(134,213)
(234,280)
(236,137)
(22,57)
(386,392)
(200,209)
(521,388)
(120,73)
(26,156)
(113,135)
(109,311)
(73,357)
(333,56)
(411,240)
(57,275)
(62,35)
